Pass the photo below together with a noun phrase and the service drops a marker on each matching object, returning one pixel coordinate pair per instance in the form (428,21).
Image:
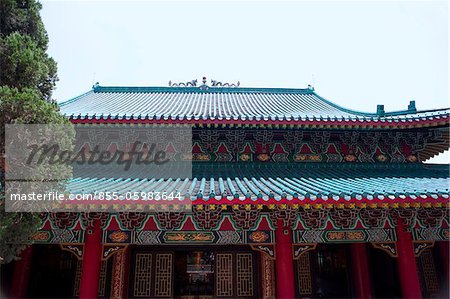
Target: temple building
(292,196)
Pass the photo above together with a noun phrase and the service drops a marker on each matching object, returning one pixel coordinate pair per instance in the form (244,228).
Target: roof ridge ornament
(182,84)
(214,83)
(204,86)
(220,84)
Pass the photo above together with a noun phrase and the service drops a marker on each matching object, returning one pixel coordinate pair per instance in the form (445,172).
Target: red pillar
(361,275)
(406,261)
(92,254)
(21,274)
(284,262)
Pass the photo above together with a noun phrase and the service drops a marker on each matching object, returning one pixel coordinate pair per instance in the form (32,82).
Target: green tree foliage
(26,106)
(27,78)
(23,16)
(21,107)
(15,232)
(25,64)
(23,42)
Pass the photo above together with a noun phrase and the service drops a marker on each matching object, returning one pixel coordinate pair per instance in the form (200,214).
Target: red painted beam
(308,203)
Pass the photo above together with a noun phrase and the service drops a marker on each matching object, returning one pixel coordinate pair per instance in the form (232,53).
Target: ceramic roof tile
(278,181)
(221,103)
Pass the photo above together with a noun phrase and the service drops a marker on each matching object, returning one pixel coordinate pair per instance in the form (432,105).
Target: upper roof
(229,105)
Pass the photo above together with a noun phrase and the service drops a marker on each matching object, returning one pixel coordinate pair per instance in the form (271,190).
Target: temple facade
(292,196)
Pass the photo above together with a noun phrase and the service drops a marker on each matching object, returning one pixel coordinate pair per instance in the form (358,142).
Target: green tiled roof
(334,182)
(224,103)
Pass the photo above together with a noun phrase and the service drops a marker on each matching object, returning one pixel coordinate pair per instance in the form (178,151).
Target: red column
(21,274)
(284,262)
(406,261)
(92,254)
(361,275)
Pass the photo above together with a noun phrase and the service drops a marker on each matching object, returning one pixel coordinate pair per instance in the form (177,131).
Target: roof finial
(380,110)
(412,106)
(204,86)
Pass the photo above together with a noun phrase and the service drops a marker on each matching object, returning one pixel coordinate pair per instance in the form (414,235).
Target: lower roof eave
(326,124)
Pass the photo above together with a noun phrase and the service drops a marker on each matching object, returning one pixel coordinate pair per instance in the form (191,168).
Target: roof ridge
(74,99)
(432,110)
(200,89)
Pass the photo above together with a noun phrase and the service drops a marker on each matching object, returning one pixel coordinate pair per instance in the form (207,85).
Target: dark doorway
(385,283)
(194,273)
(6,274)
(52,272)
(332,271)
(440,252)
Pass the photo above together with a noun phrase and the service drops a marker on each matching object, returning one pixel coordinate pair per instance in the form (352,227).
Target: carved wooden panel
(244,274)
(102,279)
(429,272)
(268,277)
(224,275)
(143,275)
(76,283)
(101,283)
(163,275)
(304,274)
(120,262)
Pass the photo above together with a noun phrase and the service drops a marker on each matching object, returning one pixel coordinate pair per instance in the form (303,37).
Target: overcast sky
(356,54)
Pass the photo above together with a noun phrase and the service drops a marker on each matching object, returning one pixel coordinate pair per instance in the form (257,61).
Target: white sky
(360,53)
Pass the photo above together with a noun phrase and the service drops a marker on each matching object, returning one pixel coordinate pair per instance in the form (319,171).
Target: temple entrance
(332,266)
(190,272)
(55,268)
(433,271)
(63,270)
(194,274)
(324,272)
(384,270)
